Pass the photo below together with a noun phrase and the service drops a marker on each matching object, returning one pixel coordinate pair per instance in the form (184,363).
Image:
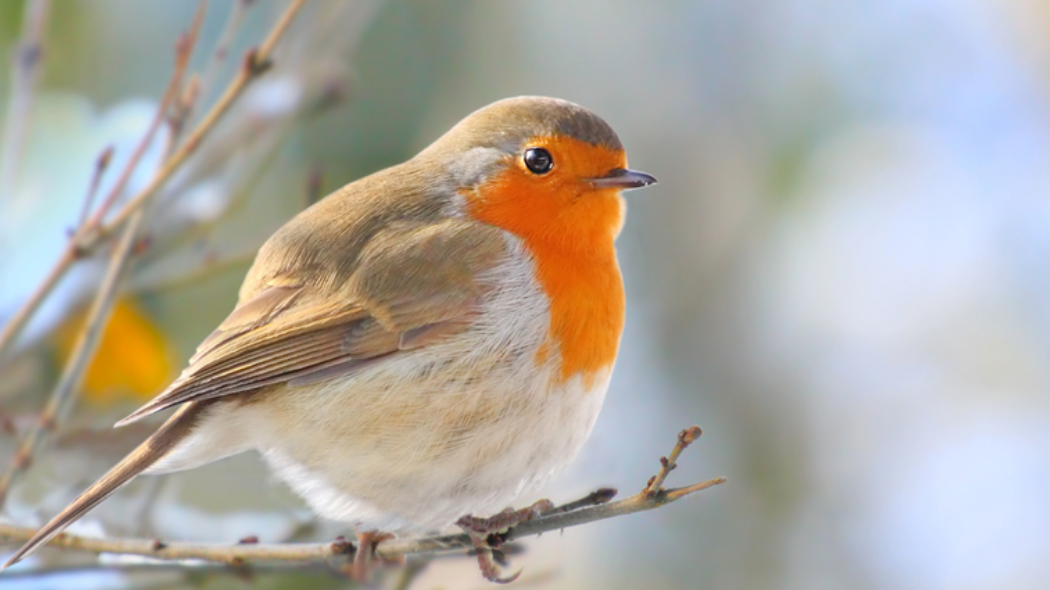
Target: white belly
(472,456)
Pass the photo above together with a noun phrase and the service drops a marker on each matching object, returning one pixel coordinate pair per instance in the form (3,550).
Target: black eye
(538,160)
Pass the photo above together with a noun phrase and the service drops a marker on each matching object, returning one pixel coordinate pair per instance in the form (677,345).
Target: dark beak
(623,179)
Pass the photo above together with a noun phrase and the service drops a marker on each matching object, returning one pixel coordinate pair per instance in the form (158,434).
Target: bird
(423,345)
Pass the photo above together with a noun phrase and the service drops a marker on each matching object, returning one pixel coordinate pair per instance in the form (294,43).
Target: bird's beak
(623,179)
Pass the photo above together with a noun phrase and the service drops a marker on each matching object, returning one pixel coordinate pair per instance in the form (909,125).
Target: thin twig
(183,51)
(668,463)
(595,498)
(256,62)
(28,56)
(222,45)
(89,237)
(101,163)
(64,395)
(210,263)
(16,124)
(298,553)
(21,317)
(83,351)
(73,251)
(151,567)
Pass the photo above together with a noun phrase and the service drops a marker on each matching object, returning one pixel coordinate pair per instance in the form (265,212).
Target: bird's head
(541,168)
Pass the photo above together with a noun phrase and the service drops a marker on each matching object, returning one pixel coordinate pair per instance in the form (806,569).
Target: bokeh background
(842,276)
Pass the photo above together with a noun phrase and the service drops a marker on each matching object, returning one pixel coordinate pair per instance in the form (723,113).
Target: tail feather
(146,454)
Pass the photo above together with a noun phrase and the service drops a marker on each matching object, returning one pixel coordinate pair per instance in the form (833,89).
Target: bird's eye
(538,160)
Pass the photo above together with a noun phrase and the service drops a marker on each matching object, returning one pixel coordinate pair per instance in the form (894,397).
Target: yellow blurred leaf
(133,360)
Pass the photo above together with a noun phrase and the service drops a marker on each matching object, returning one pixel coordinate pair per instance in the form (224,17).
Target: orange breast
(586,307)
(569,228)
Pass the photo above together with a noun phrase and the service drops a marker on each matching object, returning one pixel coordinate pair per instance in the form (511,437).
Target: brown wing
(413,284)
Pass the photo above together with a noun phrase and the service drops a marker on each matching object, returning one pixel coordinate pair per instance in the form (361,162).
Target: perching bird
(425,343)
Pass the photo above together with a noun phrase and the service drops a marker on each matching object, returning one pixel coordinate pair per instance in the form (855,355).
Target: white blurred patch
(274,97)
(68,135)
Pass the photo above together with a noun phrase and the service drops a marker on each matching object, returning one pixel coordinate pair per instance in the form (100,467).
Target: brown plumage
(428,341)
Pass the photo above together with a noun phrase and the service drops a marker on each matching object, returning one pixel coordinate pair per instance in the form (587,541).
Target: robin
(425,343)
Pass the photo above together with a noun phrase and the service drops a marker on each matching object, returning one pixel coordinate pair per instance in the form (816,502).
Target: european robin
(425,343)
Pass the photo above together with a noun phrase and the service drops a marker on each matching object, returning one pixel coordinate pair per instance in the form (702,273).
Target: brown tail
(146,454)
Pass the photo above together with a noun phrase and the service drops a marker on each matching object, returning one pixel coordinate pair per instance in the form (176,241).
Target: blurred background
(842,275)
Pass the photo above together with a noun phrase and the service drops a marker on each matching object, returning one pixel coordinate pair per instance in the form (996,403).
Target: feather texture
(414,284)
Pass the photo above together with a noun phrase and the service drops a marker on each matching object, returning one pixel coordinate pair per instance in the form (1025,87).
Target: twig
(64,395)
(73,251)
(151,567)
(211,263)
(299,553)
(667,464)
(83,351)
(595,498)
(101,164)
(23,79)
(183,51)
(222,45)
(256,62)
(21,317)
(24,74)
(89,236)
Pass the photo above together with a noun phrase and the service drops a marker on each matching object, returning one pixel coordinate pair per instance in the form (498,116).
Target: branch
(93,233)
(183,51)
(72,252)
(101,164)
(64,395)
(72,375)
(594,507)
(256,62)
(223,44)
(28,56)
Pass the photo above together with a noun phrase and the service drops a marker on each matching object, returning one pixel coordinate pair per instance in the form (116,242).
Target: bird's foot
(360,568)
(487,534)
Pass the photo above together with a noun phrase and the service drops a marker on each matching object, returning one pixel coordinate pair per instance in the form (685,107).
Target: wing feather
(413,286)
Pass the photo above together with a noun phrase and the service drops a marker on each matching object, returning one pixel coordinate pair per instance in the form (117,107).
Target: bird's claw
(485,534)
(360,568)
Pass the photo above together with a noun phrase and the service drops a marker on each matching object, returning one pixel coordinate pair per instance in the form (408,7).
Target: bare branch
(183,50)
(667,464)
(172,567)
(240,555)
(90,235)
(83,351)
(256,62)
(21,317)
(28,56)
(221,51)
(64,395)
(101,164)
(73,251)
